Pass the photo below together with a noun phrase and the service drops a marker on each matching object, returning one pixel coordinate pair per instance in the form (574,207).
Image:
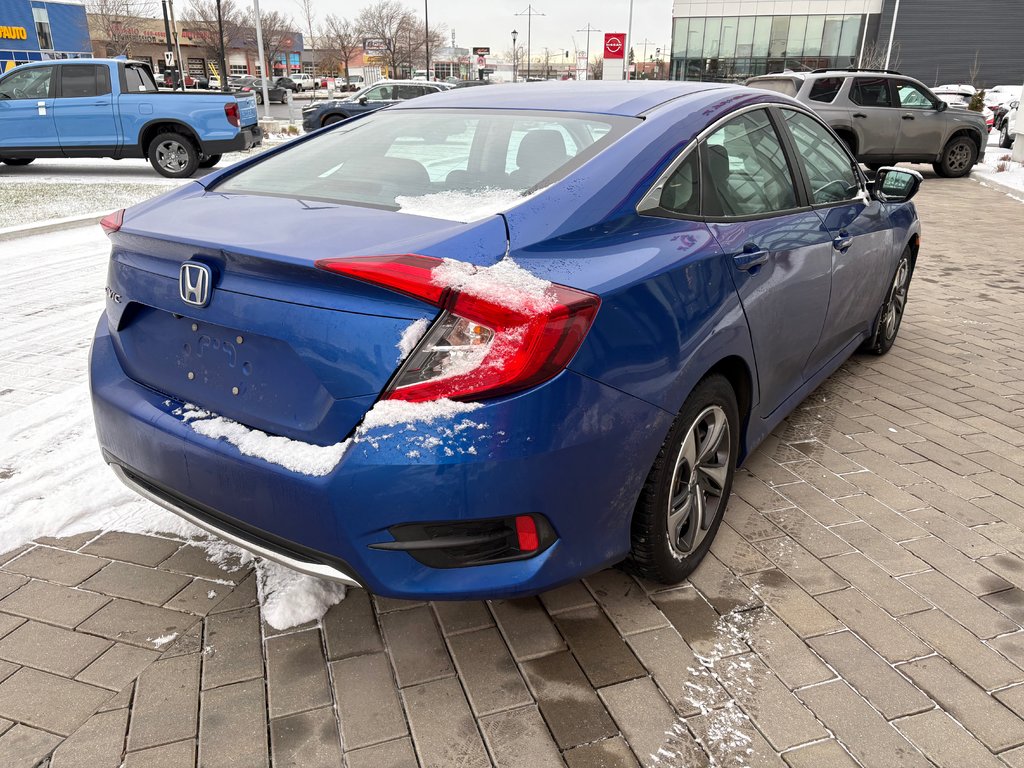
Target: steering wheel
(19,93)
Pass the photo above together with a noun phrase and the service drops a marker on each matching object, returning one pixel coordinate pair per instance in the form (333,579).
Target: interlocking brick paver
(892,595)
(811,534)
(642,714)
(736,553)
(367,699)
(199,597)
(990,722)
(350,627)
(24,747)
(97,744)
(884,688)
(519,739)
(568,702)
(819,755)
(180,754)
(489,675)
(46,701)
(808,572)
(9,623)
(415,646)
(166,705)
(867,736)
(144,585)
(956,601)
(132,547)
(136,623)
(791,604)
(455,616)
(1009,602)
(945,742)
(625,603)
(306,740)
(527,629)
(607,753)
(724,733)
(10,582)
(233,648)
(51,649)
(721,588)
(954,533)
(391,754)
(443,728)
(698,624)
(193,560)
(53,604)
(297,677)
(55,565)
(683,680)
(233,726)
(874,626)
(566,597)
(600,650)
(242,596)
(118,666)
(780,647)
(880,549)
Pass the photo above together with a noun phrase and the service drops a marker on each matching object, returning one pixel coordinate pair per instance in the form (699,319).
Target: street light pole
(263,62)
(629,41)
(426,37)
(223,58)
(515,57)
(892,33)
(588,29)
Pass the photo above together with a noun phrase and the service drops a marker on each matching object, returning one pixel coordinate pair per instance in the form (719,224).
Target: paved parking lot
(862,606)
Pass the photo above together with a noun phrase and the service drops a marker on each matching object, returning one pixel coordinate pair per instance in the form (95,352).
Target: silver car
(885,117)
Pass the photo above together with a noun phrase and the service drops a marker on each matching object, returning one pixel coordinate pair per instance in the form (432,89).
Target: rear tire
(890,314)
(16,161)
(1005,140)
(209,162)
(958,157)
(683,501)
(173,155)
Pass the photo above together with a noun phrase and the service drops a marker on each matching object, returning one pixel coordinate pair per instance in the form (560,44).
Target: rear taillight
(231,113)
(112,221)
(496,335)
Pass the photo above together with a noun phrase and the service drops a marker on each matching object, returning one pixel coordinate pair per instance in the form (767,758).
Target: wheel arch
(737,372)
(153,129)
(334,113)
(970,133)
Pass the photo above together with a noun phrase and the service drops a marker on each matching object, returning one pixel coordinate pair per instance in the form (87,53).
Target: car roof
(597,96)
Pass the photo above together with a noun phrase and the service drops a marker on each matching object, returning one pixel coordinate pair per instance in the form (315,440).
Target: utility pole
(892,33)
(426,38)
(167,28)
(629,43)
(264,75)
(529,13)
(645,43)
(223,57)
(588,29)
(177,45)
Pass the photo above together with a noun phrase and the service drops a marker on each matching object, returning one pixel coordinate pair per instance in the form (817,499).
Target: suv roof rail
(855,69)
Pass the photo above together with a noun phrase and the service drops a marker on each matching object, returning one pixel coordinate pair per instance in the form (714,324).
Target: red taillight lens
(489,342)
(526,533)
(112,221)
(231,113)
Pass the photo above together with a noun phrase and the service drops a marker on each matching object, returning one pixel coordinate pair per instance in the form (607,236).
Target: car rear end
(339,408)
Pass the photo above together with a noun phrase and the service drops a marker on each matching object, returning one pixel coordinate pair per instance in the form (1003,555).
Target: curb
(1015,192)
(50,225)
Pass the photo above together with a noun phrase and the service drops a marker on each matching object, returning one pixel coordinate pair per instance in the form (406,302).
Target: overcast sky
(490,22)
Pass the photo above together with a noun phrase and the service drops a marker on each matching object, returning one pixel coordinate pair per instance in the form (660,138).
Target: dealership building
(35,30)
(936,41)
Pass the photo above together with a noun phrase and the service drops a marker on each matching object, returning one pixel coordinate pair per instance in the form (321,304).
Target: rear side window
(870,92)
(83,80)
(825,90)
(139,79)
(681,193)
(746,173)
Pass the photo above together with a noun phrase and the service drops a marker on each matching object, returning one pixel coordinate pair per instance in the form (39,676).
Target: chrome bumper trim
(320,570)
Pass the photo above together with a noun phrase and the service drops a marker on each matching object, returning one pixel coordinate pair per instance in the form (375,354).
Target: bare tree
(341,38)
(975,70)
(116,22)
(401,33)
(597,68)
(308,15)
(278,37)
(874,56)
(201,16)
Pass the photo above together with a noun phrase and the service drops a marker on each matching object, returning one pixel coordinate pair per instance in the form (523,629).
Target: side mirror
(363,100)
(941,106)
(895,185)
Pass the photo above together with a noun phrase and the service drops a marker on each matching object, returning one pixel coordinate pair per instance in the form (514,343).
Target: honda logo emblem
(194,282)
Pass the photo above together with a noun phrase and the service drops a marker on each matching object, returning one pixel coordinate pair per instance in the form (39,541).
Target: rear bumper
(248,137)
(572,450)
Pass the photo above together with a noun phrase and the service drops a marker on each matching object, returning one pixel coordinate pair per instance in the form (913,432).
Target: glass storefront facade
(35,30)
(733,48)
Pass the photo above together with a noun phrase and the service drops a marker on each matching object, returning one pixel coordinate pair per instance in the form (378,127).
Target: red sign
(615,45)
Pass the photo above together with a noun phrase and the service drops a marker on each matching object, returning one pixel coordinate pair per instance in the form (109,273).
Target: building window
(42,19)
(238,69)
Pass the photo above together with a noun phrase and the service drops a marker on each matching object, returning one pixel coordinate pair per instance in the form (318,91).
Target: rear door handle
(859,114)
(842,242)
(750,258)
(908,117)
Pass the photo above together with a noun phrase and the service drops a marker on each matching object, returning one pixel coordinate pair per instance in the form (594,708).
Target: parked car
(582,342)
(302,82)
(1008,127)
(172,79)
(382,94)
(254,86)
(885,117)
(289,84)
(961,96)
(113,108)
(354,82)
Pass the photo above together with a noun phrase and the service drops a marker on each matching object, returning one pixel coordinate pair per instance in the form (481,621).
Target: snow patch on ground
(411,337)
(289,598)
(459,206)
(505,284)
(162,640)
(1010,179)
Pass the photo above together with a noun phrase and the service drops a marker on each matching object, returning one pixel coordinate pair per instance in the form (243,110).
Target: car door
(84,109)
(922,125)
(781,252)
(861,234)
(876,122)
(26,111)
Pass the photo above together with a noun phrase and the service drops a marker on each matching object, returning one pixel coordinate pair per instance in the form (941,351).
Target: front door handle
(843,241)
(859,114)
(750,258)
(908,117)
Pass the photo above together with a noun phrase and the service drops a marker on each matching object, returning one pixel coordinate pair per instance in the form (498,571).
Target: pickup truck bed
(112,108)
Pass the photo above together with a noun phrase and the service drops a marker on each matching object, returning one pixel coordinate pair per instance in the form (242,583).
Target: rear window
(825,90)
(452,164)
(784,85)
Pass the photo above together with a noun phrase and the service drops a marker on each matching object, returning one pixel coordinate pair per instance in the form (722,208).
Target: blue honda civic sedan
(483,343)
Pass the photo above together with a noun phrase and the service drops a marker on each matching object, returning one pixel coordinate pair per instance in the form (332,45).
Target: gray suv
(886,117)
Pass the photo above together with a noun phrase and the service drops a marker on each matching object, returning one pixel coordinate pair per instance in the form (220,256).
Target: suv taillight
(231,112)
(485,343)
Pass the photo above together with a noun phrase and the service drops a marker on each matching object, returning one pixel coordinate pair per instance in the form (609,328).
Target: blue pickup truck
(113,108)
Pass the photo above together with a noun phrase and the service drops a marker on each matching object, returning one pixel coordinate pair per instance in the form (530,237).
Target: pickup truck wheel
(174,156)
(332,119)
(17,160)
(957,158)
(209,162)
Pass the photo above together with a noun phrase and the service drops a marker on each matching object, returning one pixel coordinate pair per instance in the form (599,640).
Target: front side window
(825,89)
(746,173)
(31,83)
(870,92)
(912,97)
(380,93)
(826,163)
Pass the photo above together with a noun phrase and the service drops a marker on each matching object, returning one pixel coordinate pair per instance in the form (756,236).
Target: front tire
(957,159)
(331,120)
(890,314)
(173,155)
(683,501)
(17,161)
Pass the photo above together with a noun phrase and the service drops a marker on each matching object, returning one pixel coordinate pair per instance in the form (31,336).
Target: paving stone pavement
(862,604)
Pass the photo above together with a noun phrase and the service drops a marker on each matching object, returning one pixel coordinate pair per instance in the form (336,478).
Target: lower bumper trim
(309,567)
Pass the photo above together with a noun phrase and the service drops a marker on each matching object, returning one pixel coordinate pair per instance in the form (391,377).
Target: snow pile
(460,206)
(411,337)
(1003,174)
(505,284)
(391,413)
(289,598)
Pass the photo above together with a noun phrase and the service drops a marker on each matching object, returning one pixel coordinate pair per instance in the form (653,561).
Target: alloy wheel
(698,480)
(959,157)
(897,300)
(172,156)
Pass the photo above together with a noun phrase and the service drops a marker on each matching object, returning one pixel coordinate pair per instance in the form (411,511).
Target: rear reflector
(526,533)
(112,221)
(481,346)
(231,112)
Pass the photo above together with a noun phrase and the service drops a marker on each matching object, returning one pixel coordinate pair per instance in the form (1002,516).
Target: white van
(305,82)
